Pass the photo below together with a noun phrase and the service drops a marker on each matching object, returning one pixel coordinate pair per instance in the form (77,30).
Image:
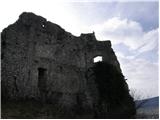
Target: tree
(138,96)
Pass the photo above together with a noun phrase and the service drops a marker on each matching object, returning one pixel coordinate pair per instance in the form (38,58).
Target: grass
(148,113)
(31,109)
(28,109)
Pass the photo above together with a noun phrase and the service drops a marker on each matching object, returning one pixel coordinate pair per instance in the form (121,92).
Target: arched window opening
(98,59)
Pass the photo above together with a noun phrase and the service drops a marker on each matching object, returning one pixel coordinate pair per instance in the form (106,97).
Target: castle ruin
(40,60)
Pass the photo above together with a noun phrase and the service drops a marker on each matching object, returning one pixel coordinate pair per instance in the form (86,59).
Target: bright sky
(132,28)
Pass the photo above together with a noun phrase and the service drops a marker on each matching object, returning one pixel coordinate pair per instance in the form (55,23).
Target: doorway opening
(42,79)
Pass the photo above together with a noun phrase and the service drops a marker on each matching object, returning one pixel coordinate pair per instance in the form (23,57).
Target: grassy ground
(148,113)
(29,109)
(37,110)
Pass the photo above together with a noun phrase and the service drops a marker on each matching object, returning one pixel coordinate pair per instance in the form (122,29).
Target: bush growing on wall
(113,90)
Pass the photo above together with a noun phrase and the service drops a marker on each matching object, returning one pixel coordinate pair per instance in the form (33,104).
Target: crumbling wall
(32,43)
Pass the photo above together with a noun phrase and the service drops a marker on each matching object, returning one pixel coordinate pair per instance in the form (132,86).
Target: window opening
(42,78)
(98,59)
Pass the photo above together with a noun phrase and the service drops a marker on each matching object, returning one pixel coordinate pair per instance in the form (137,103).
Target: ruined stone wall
(33,44)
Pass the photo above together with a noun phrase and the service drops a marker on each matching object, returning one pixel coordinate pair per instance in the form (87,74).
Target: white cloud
(142,75)
(55,11)
(125,31)
(151,41)
(121,55)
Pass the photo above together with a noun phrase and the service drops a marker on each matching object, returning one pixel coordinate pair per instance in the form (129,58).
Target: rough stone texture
(41,60)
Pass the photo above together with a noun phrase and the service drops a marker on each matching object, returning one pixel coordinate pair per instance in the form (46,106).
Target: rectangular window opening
(42,79)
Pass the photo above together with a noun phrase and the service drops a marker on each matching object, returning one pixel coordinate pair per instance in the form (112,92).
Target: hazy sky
(132,28)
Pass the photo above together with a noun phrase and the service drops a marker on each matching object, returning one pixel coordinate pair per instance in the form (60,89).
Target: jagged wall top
(39,31)
(29,19)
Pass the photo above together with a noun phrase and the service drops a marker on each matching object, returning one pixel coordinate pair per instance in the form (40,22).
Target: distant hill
(148,108)
(151,102)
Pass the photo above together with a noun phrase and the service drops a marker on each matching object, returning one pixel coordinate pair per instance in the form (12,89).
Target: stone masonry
(40,60)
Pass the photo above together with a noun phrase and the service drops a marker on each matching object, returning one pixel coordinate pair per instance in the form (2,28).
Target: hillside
(148,108)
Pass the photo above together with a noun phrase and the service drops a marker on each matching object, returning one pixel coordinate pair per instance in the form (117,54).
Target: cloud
(141,75)
(151,41)
(125,31)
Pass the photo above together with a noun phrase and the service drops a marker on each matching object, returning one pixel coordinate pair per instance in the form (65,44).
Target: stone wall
(33,45)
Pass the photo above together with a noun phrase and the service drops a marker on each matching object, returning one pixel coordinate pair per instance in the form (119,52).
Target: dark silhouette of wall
(40,60)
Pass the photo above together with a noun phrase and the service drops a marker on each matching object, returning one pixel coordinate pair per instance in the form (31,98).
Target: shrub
(113,91)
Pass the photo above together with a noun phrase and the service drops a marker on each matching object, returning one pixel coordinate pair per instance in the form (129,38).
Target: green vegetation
(113,91)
